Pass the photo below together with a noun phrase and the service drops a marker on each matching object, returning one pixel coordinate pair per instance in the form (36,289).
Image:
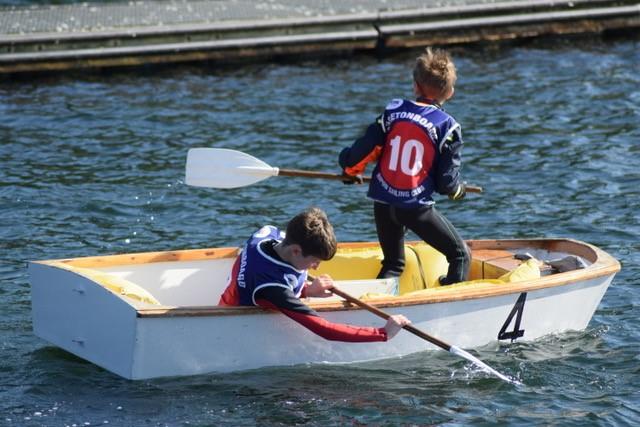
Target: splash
(460,352)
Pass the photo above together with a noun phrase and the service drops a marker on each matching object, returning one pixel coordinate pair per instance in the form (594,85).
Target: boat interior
(197,278)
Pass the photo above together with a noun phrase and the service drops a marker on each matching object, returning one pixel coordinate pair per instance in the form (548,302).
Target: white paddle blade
(224,168)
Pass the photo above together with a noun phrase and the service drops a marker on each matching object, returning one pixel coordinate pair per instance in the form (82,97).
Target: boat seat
(492,263)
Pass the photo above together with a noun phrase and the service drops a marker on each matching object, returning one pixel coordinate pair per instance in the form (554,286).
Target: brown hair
(435,71)
(312,230)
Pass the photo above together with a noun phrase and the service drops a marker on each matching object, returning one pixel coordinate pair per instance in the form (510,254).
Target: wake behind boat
(154,314)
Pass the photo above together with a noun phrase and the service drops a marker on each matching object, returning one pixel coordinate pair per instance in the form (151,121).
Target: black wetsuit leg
(391,237)
(430,226)
(438,232)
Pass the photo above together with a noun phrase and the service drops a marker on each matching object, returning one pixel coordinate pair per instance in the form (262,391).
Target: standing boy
(417,146)
(271,272)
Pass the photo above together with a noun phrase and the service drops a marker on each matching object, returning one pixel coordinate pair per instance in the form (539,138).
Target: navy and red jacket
(417,147)
(260,277)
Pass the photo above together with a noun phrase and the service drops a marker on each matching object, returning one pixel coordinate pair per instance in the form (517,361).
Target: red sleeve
(283,300)
(230,296)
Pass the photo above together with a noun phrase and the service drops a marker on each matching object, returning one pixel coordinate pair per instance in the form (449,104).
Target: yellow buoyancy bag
(432,263)
(423,266)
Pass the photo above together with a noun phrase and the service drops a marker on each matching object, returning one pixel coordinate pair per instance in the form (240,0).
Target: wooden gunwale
(106,261)
(602,264)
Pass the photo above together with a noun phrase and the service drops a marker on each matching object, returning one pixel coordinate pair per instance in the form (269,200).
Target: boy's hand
(352,179)
(459,192)
(320,287)
(394,324)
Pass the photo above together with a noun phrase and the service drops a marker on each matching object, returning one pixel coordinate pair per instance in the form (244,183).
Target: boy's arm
(364,150)
(448,178)
(282,299)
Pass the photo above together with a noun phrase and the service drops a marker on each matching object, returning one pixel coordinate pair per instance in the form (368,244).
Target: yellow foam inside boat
(423,266)
(528,270)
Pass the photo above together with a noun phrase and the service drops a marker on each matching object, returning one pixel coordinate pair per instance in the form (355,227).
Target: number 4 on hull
(516,312)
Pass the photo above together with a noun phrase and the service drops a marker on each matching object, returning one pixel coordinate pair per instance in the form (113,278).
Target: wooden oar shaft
(324,175)
(312,174)
(433,340)
(473,189)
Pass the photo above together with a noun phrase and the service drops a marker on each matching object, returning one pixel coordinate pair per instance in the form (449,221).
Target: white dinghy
(154,314)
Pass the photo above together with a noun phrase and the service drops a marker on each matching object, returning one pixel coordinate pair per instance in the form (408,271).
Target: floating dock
(112,35)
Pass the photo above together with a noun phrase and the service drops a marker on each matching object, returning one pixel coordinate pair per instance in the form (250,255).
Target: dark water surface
(94,165)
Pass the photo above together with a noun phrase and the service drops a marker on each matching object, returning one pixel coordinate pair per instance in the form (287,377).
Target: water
(94,165)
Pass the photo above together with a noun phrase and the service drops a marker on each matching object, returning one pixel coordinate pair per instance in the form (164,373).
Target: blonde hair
(435,72)
(312,230)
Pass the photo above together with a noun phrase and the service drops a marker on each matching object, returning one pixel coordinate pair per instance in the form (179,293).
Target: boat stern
(82,317)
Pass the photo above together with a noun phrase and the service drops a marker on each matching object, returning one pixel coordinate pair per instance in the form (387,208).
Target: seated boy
(271,272)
